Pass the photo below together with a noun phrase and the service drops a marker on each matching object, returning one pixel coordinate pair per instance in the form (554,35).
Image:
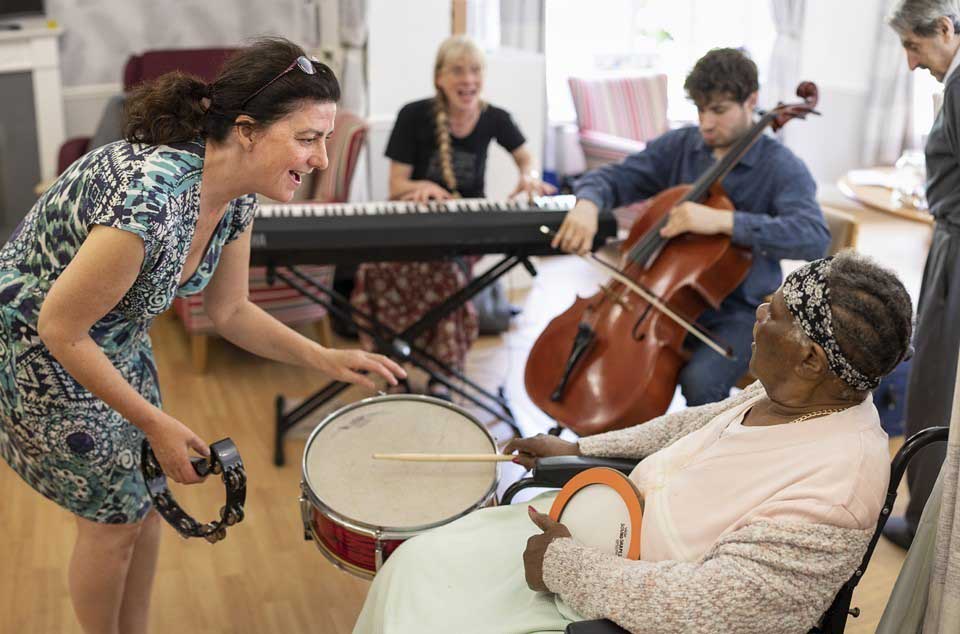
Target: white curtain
(522,24)
(483,23)
(353,39)
(784,72)
(889,98)
(326,34)
(341,43)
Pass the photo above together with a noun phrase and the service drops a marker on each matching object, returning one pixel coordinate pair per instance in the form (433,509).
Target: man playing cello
(776,213)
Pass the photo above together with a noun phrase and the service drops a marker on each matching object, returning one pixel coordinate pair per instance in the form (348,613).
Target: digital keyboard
(287,234)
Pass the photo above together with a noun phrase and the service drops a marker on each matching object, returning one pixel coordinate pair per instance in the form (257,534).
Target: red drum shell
(359,538)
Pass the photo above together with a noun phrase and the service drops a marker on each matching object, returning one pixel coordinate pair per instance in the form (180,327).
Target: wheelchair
(554,472)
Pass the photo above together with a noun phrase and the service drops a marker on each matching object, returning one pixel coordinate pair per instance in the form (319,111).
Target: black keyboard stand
(395,345)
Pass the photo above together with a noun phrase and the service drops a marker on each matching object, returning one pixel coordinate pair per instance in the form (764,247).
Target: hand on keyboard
(426,190)
(531,185)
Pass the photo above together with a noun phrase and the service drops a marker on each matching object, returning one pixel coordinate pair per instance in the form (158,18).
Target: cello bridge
(614,296)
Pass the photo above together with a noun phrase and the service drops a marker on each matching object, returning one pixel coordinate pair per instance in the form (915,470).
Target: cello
(613,359)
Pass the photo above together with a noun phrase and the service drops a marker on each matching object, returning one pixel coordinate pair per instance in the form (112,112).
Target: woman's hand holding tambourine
(223,460)
(171,442)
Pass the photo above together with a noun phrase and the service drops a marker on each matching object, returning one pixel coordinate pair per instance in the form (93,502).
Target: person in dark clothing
(930,33)
(776,216)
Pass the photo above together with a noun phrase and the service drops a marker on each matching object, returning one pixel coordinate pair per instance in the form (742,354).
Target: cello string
(644,251)
(650,298)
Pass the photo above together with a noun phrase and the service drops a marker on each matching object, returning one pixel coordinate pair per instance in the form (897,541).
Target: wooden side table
(881,199)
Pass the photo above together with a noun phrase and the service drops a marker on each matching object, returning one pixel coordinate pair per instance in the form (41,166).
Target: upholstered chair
(616,117)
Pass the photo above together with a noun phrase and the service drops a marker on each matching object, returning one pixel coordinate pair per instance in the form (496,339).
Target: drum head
(344,480)
(603,509)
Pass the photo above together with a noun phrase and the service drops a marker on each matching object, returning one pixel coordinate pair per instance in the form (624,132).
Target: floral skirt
(397,294)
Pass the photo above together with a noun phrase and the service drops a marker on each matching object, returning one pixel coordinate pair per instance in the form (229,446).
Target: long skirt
(465,577)
(397,294)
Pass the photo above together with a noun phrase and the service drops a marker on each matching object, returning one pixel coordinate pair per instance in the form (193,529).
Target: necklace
(819,412)
(799,419)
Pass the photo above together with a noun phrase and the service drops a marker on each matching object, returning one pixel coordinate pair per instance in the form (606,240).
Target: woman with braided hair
(757,508)
(165,212)
(438,151)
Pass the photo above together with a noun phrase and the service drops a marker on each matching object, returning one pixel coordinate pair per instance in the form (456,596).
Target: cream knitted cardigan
(767,577)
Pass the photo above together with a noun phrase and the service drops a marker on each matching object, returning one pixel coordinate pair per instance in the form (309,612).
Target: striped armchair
(279,299)
(617,117)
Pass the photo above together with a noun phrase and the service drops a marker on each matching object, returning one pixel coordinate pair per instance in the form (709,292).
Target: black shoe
(899,531)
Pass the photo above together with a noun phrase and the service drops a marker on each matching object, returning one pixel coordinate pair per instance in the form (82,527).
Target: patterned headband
(807,296)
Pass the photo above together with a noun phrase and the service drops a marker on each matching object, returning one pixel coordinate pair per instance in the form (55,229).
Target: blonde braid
(444,145)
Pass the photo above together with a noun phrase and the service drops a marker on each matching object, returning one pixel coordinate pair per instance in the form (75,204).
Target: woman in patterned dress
(127,227)
(438,151)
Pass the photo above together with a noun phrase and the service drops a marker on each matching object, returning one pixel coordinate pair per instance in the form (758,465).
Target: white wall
(837,55)
(84,105)
(515,81)
(401,45)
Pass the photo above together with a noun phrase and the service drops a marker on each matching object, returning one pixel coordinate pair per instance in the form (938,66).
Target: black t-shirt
(414,142)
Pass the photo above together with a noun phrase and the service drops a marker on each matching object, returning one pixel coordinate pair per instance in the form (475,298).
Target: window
(606,38)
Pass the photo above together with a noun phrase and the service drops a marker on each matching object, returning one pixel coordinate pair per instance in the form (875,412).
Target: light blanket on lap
(465,577)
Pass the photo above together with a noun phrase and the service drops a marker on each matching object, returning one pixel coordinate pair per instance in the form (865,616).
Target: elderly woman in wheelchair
(757,508)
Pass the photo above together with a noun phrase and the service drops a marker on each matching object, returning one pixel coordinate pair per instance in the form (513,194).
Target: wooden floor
(264,578)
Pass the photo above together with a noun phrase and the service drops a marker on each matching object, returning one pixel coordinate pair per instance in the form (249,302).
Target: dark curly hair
(872,313)
(722,73)
(170,109)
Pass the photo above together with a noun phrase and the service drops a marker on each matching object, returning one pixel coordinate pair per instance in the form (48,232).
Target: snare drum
(358,510)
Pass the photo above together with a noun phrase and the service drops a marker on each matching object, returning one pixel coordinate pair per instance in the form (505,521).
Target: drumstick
(445,457)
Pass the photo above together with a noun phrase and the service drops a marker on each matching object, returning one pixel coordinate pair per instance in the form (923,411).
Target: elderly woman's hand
(540,446)
(537,548)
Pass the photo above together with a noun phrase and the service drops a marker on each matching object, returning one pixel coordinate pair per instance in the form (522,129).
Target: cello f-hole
(635,333)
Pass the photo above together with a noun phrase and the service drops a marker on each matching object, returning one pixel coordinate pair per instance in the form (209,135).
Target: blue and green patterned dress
(66,443)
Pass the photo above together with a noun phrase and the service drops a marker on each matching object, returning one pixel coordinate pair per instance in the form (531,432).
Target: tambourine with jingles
(225,461)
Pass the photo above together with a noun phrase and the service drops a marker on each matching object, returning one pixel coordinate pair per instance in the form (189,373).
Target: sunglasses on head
(303,62)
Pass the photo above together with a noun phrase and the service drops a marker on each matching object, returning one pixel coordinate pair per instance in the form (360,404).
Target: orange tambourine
(603,509)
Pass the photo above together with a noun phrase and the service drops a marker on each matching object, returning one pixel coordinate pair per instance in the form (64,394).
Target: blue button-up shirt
(774,195)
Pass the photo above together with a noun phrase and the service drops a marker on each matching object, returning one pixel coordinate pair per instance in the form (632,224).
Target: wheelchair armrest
(556,471)
(600,626)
